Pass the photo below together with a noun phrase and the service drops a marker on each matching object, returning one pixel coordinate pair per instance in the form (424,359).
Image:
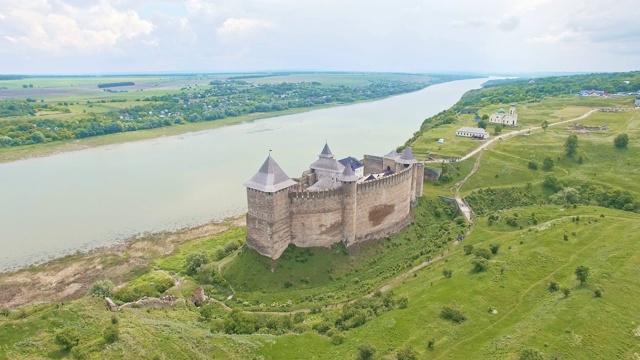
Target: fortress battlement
(348,200)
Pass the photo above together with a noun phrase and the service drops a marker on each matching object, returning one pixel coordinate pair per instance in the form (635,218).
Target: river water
(81,200)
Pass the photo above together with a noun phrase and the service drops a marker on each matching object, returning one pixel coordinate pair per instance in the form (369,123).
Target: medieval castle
(335,200)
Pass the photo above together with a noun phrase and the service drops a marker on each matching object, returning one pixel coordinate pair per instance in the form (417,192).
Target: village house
(472,132)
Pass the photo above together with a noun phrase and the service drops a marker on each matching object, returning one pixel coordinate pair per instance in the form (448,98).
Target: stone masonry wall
(316,218)
(383,204)
(268,224)
(372,164)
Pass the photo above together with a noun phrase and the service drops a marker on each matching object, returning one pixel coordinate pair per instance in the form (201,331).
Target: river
(60,204)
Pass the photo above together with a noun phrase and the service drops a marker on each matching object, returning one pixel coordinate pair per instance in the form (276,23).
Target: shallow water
(80,200)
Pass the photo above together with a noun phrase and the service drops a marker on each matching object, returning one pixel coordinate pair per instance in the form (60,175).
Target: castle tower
(406,160)
(349,205)
(268,227)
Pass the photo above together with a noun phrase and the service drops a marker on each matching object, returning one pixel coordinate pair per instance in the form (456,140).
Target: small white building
(472,132)
(501,117)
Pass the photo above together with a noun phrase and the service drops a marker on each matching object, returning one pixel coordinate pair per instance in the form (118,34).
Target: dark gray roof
(406,157)
(326,152)
(270,178)
(324,184)
(393,154)
(326,164)
(348,175)
(353,162)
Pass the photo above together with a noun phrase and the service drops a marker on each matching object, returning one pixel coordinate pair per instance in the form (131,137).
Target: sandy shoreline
(70,277)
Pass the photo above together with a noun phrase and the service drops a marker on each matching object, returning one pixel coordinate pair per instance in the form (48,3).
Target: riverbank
(58,147)
(70,277)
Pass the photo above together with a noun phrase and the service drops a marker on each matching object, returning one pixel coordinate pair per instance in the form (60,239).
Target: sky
(488,36)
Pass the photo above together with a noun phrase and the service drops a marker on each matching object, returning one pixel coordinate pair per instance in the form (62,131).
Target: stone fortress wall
(354,212)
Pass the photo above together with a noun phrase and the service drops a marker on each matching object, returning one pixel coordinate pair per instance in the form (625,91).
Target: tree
(111,334)
(366,352)
(497,129)
(482,124)
(531,354)
(571,145)
(468,249)
(101,288)
(485,117)
(447,273)
(68,338)
(480,264)
(547,164)
(483,253)
(545,125)
(532,165)
(621,141)
(195,260)
(494,248)
(582,274)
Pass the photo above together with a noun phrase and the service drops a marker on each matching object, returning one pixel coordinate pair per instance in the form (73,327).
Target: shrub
(111,334)
(366,352)
(67,338)
(621,141)
(531,354)
(101,288)
(480,264)
(430,344)
(553,286)
(597,293)
(453,313)
(566,291)
(337,338)
(532,165)
(547,164)
(468,249)
(4,312)
(447,273)
(494,248)
(582,274)
(406,353)
(195,260)
(565,237)
(483,253)
(403,302)
(114,320)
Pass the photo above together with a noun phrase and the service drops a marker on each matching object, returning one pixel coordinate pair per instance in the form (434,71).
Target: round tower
(349,205)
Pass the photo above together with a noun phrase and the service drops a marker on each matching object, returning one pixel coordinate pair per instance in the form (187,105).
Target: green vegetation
(543,248)
(621,141)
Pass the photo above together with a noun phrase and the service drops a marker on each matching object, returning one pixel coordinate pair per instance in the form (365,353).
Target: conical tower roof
(348,175)
(326,152)
(270,178)
(406,157)
(393,154)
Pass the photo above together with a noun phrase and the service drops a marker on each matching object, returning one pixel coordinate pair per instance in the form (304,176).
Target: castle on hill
(503,118)
(348,200)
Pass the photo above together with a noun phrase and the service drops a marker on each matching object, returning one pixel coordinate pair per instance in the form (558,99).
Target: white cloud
(233,27)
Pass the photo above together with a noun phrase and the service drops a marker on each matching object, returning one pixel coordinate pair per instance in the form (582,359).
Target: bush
(480,264)
(111,334)
(4,312)
(366,352)
(531,354)
(553,286)
(494,248)
(114,320)
(566,291)
(547,164)
(468,249)
(532,165)
(453,313)
(101,288)
(447,273)
(483,253)
(403,302)
(337,338)
(621,141)
(195,260)
(431,344)
(597,293)
(67,338)
(407,353)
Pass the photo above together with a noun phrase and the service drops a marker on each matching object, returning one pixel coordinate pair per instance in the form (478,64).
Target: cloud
(509,24)
(233,27)
(469,23)
(59,27)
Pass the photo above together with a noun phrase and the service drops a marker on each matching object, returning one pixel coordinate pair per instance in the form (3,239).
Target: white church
(500,117)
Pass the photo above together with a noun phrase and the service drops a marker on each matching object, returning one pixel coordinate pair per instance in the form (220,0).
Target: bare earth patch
(70,277)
